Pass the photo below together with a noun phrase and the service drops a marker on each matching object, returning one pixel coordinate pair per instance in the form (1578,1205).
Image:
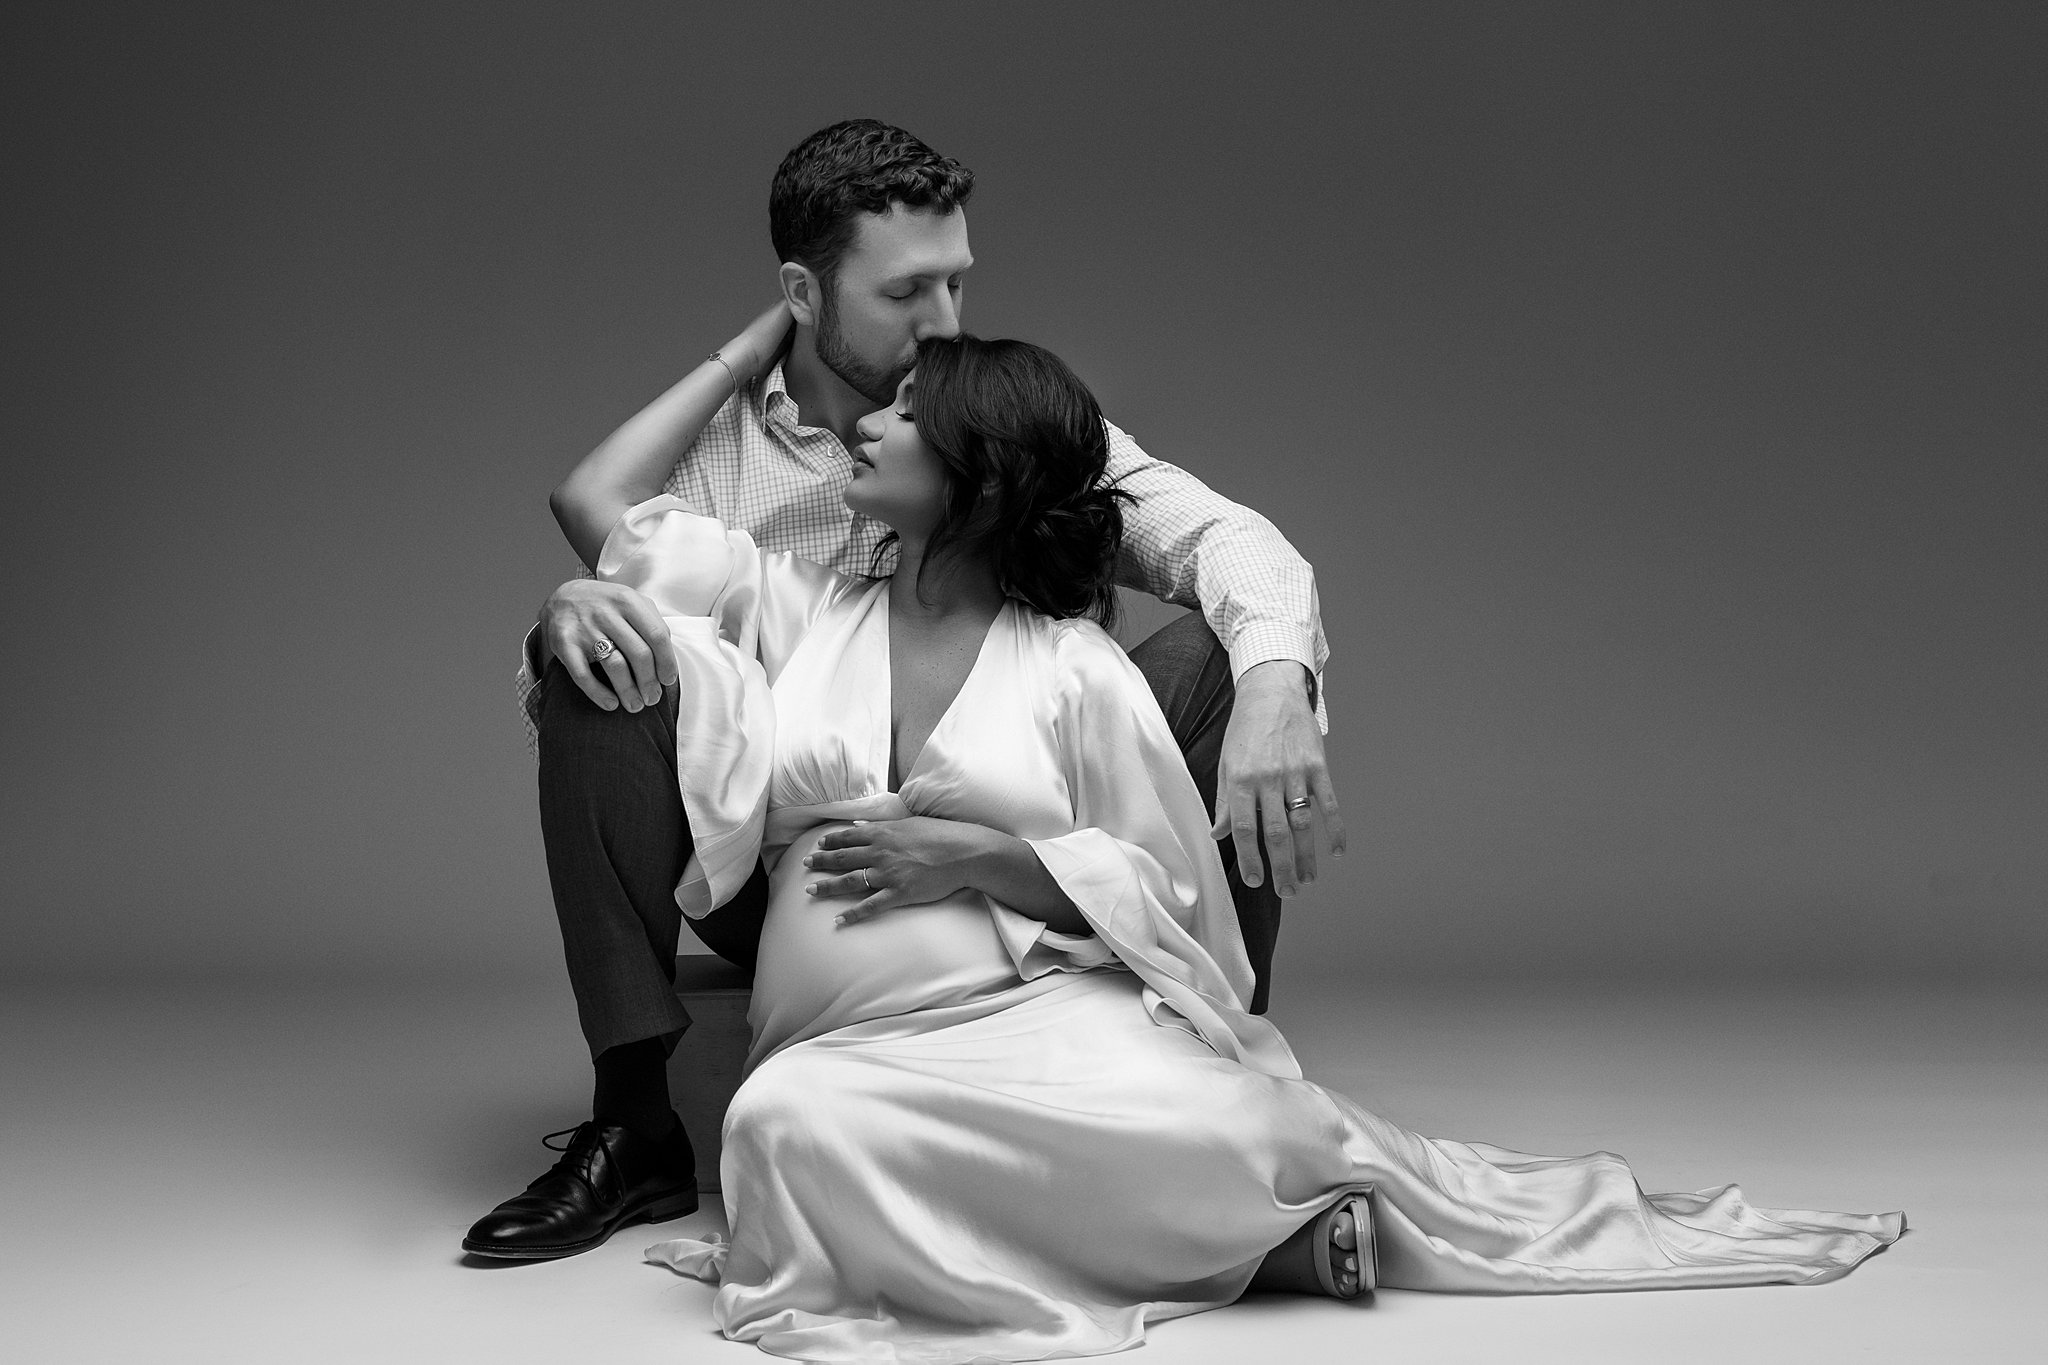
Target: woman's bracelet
(729,373)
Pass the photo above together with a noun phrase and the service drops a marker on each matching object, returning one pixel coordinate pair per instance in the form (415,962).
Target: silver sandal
(1347,1263)
(1334,1253)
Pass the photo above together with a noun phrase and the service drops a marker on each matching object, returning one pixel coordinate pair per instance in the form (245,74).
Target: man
(870,229)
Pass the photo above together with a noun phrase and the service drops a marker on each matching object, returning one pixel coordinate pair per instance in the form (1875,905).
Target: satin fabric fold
(1046,1172)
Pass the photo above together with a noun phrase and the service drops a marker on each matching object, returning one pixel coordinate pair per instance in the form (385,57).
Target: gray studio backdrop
(1656,389)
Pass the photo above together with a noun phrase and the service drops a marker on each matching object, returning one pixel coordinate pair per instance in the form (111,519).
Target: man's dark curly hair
(1026,450)
(837,173)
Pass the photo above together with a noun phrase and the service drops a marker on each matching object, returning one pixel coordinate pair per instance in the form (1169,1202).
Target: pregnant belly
(814,976)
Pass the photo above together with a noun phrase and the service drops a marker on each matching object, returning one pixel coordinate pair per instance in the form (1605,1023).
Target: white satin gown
(965,1136)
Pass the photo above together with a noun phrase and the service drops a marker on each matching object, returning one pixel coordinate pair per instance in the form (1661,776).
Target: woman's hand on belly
(890,863)
(921,859)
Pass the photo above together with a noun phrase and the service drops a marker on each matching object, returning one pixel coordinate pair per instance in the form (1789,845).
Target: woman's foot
(1332,1253)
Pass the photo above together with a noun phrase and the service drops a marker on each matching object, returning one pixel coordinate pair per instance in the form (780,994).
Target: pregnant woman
(1018,1109)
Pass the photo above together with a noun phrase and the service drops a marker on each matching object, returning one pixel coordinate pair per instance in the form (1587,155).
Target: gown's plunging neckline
(889,689)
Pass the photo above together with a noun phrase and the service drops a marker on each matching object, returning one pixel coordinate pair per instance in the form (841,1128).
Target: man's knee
(1180,652)
(1189,673)
(572,724)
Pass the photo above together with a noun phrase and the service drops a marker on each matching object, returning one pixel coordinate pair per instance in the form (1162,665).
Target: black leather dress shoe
(607,1178)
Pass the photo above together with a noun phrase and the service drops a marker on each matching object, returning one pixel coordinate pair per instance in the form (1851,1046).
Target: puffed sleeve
(734,614)
(1140,864)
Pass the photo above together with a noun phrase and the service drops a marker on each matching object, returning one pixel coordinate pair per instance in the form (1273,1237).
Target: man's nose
(941,316)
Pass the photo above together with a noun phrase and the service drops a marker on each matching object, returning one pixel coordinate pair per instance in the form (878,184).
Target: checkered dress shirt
(756,467)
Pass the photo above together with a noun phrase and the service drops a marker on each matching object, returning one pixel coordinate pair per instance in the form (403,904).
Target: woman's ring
(602,650)
(866,880)
(1298,803)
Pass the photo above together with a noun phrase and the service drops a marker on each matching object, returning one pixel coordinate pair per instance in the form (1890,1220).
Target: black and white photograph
(934,683)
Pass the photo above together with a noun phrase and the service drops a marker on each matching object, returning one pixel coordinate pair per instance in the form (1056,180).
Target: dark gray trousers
(617,839)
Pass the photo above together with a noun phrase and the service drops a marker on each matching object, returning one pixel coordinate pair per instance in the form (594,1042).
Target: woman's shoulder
(1078,633)
(1082,651)
(1099,696)
(823,577)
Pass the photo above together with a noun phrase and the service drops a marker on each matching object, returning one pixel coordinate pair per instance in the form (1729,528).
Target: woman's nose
(869,428)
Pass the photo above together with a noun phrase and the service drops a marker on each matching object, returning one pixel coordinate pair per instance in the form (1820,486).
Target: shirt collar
(780,410)
(776,404)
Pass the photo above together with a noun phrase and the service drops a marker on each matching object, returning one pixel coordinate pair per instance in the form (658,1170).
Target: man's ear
(800,288)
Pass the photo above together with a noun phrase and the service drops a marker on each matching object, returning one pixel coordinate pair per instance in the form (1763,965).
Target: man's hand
(889,863)
(584,610)
(1273,754)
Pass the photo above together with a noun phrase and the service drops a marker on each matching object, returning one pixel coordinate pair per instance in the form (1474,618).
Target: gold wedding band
(866,880)
(1298,803)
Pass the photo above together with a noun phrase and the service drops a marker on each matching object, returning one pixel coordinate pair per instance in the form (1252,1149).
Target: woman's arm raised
(631,465)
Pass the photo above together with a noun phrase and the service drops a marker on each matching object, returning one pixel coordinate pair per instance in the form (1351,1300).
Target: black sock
(632,1089)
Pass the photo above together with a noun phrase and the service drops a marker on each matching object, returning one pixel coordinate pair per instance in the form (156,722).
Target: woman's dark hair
(838,173)
(1026,449)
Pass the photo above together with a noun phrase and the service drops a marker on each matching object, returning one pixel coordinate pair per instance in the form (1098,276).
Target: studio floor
(224,1174)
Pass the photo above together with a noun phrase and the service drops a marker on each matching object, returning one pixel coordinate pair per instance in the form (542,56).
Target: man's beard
(871,382)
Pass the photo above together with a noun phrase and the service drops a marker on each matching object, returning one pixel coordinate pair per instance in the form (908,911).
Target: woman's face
(897,479)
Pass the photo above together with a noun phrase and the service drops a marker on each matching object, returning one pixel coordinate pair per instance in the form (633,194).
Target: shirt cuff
(529,685)
(1263,642)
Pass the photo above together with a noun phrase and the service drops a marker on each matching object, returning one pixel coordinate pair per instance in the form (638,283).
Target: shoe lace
(575,1164)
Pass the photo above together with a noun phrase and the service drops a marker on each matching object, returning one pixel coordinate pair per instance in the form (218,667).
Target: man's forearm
(1286,678)
(1187,544)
